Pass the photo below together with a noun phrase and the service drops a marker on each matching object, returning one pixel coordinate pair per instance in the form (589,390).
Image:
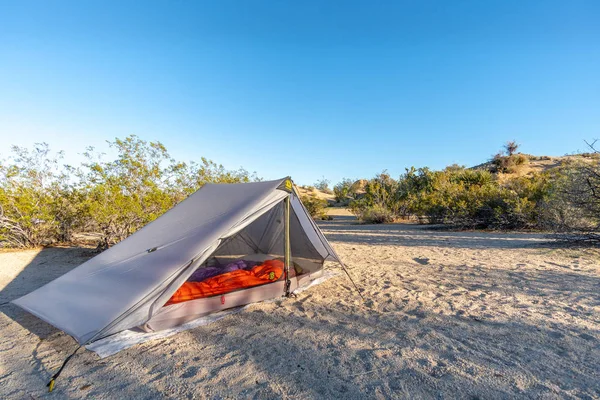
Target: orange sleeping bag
(269,271)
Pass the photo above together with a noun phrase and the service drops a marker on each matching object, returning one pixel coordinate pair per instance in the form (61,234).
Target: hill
(310,190)
(537,164)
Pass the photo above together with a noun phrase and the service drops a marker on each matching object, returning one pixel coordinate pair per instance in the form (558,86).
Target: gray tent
(128,285)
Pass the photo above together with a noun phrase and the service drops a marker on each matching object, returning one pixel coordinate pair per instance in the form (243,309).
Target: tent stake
(56,375)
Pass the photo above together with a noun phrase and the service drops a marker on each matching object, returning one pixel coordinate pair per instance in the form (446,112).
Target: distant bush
(376,215)
(509,164)
(38,204)
(315,206)
(458,196)
(511,147)
(323,186)
(507,160)
(344,191)
(574,209)
(591,155)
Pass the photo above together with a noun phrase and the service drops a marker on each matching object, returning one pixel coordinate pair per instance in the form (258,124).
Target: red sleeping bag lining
(269,271)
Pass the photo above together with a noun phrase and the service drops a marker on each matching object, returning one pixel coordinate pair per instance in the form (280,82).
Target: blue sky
(303,88)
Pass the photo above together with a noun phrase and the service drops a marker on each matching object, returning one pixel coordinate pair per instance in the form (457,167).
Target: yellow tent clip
(51,385)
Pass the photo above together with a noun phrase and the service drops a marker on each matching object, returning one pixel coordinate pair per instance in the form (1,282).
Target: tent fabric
(125,285)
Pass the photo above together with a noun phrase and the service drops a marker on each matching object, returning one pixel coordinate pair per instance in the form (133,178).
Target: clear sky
(303,88)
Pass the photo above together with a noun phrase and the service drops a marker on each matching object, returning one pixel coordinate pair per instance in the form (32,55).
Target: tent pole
(287,252)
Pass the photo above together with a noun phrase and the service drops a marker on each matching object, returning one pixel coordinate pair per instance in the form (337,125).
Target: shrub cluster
(565,199)
(573,209)
(509,164)
(323,185)
(43,201)
(344,191)
(376,214)
(316,207)
(458,196)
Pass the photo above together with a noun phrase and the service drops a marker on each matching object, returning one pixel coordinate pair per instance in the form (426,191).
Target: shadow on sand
(47,265)
(345,229)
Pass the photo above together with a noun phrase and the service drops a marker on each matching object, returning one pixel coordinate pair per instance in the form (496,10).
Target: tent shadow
(48,264)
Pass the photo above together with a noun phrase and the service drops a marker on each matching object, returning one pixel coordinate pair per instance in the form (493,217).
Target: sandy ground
(448,315)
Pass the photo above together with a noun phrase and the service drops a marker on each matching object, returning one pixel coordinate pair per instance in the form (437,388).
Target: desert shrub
(124,194)
(508,161)
(381,193)
(511,147)
(470,177)
(35,198)
(42,201)
(143,182)
(458,196)
(344,191)
(315,206)
(376,215)
(509,164)
(357,206)
(323,185)
(573,210)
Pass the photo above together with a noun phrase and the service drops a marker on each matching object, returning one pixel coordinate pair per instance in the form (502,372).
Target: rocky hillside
(536,164)
(310,190)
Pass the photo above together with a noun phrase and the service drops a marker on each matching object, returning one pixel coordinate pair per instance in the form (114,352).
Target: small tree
(343,190)
(575,206)
(33,208)
(511,147)
(142,183)
(507,161)
(316,207)
(323,185)
(124,194)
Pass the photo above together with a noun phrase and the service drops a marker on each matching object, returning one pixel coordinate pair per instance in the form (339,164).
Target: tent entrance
(254,256)
(249,266)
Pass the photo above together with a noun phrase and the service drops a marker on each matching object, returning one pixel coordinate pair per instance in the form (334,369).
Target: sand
(448,315)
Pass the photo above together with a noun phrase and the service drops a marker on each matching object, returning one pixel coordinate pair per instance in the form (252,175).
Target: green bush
(509,164)
(344,191)
(42,201)
(323,185)
(36,198)
(376,215)
(574,206)
(315,206)
(458,196)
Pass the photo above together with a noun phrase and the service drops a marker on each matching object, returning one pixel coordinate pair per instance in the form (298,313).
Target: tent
(135,282)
